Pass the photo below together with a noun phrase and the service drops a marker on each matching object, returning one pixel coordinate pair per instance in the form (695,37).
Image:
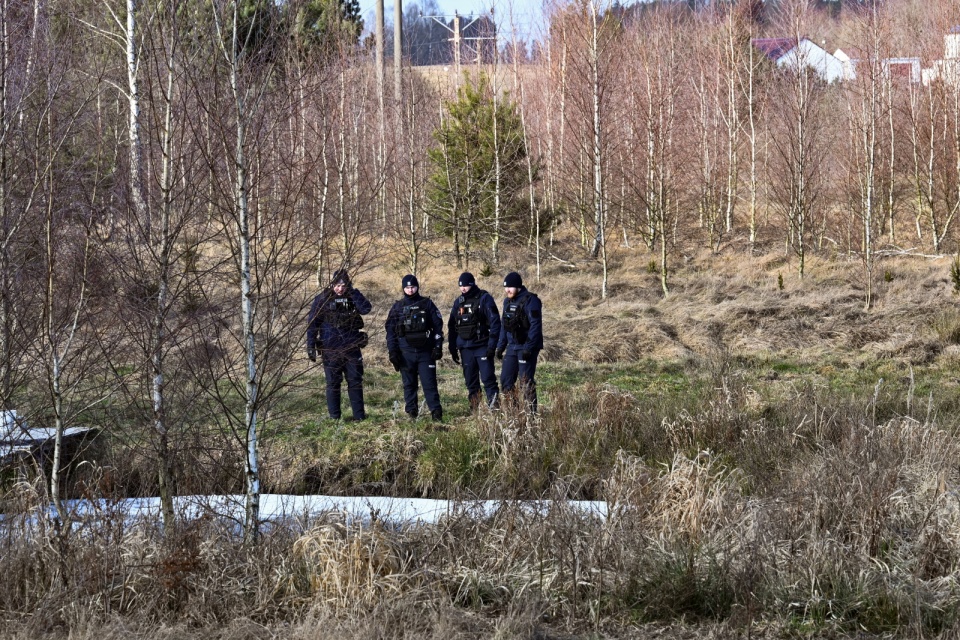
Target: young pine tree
(479,156)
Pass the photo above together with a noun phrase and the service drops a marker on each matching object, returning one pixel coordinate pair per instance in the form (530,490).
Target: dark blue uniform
(521,339)
(333,331)
(474,330)
(415,343)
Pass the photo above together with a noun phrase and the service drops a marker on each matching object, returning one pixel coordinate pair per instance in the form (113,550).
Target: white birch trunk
(159,321)
(133,99)
(232,54)
(598,194)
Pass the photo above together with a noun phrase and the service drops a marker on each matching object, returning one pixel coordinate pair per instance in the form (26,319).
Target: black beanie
(341,275)
(410,280)
(513,279)
(466,280)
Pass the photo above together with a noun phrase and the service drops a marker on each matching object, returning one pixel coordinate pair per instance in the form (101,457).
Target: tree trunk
(136,146)
(598,193)
(159,321)
(244,239)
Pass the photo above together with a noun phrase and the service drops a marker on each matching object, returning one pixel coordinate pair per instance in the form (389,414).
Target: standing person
(334,333)
(415,343)
(521,339)
(474,331)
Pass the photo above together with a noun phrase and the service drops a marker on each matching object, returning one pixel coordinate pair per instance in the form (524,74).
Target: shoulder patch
(535,313)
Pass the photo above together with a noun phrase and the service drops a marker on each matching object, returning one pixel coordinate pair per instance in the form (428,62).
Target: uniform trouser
(336,366)
(419,365)
(478,368)
(517,370)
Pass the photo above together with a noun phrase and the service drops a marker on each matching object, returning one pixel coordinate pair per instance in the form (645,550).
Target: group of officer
(477,334)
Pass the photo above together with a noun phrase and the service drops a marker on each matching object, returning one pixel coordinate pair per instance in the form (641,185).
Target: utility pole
(457,40)
(456,43)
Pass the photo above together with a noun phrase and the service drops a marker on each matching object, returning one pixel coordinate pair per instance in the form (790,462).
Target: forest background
(736,258)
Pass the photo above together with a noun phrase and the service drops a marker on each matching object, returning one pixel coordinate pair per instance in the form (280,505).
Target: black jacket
(398,333)
(528,336)
(334,322)
(487,316)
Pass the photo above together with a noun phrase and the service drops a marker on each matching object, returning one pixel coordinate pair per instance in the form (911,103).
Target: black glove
(526,356)
(437,352)
(396,359)
(491,354)
(500,353)
(312,353)
(455,355)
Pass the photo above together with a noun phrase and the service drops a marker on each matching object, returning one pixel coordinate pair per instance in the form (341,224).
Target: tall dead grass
(855,528)
(797,510)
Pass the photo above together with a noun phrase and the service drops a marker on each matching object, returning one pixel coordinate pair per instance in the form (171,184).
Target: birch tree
(709,90)
(524,109)
(172,241)
(248,69)
(799,146)
(257,181)
(933,131)
(70,188)
(749,65)
(721,119)
(412,169)
(655,89)
(22,174)
(867,110)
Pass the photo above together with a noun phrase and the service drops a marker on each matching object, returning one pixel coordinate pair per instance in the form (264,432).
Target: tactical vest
(470,322)
(515,319)
(415,324)
(344,314)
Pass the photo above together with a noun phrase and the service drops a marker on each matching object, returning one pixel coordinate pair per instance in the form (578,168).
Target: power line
(458,40)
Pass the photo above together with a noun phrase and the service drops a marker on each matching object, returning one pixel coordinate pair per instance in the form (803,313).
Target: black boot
(437,415)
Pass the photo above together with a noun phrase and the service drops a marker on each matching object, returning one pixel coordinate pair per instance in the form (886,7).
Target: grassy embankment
(777,461)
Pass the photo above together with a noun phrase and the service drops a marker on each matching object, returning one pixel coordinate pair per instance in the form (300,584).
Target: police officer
(521,339)
(474,330)
(415,343)
(334,332)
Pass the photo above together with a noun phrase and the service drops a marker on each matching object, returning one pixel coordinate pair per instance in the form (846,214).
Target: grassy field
(778,462)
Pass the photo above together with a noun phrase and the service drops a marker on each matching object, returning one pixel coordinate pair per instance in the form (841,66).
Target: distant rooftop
(774,48)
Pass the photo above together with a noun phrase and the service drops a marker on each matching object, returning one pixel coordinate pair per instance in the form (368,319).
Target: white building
(849,64)
(948,69)
(899,69)
(788,52)
(951,44)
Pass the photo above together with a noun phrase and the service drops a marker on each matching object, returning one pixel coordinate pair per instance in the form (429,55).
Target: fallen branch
(908,252)
(565,263)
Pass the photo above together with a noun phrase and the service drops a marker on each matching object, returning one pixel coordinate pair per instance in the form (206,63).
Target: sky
(528,14)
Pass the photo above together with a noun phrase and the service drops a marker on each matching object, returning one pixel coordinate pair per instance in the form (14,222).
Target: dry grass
(348,569)
(730,300)
(758,505)
(858,530)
